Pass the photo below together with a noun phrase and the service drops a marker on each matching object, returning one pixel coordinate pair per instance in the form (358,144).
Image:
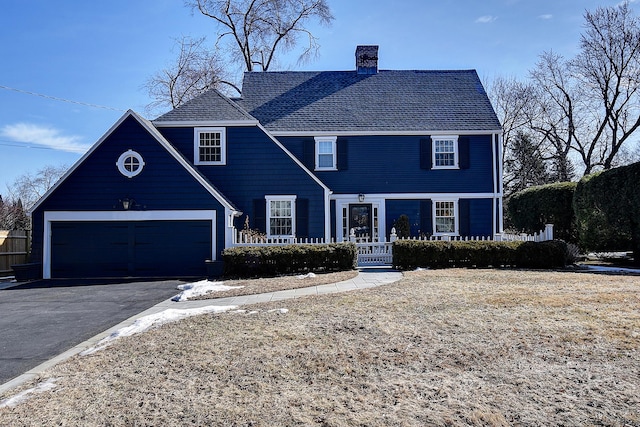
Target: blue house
(320,155)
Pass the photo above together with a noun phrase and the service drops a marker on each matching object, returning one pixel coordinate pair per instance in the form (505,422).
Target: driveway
(43,319)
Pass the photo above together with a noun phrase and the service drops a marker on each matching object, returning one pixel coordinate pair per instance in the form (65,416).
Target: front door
(360,220)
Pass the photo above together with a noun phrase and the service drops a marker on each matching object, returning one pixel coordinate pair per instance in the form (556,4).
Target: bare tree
(195,71)
(29,187)
(513,101)
(554,116)
(579,112)
(259,30)
(609,67)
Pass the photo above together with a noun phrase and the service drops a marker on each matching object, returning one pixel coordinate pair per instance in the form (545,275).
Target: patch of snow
(611,269)
(10,402)
(203,287)
(146,322)
(279,310)
(306,276)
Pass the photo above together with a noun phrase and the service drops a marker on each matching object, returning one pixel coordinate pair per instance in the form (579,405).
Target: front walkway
(368,277)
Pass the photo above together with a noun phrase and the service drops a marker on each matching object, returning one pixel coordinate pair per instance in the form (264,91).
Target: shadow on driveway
(42,319)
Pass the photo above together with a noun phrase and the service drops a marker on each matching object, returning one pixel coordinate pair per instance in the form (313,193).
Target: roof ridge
(234,104)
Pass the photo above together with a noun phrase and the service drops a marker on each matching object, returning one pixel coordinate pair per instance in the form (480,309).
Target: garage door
(130,248)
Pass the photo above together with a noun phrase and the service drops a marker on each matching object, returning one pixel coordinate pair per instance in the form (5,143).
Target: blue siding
(255,167)
(411,208)
(479,222)
(97,185)
(391,164)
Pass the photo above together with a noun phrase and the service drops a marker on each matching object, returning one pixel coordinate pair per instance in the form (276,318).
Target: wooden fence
(13,250)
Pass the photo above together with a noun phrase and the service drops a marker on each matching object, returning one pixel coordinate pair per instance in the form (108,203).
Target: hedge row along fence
(607,209)
(529,210)
(254,261)
(411,254)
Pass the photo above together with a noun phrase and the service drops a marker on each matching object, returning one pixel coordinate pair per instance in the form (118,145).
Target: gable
(166,181)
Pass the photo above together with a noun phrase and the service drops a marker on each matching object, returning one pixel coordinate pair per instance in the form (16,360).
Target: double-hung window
(445,152)
(210,146)
(281,214)
(445,219)
(325,153)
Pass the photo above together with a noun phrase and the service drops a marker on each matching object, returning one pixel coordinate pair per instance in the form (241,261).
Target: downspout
(494,199)
(500,183)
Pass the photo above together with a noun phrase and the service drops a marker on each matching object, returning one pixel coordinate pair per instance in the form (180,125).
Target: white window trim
(288,198)
(196,145)
(121,166)
(332,140)
(456,211)
(456,162)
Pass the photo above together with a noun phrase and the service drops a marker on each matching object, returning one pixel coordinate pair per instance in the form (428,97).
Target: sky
(71,68)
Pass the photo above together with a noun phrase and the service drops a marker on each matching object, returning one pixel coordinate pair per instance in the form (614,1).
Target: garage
(129,245)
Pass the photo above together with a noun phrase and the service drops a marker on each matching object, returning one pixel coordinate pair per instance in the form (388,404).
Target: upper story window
(326,157)
(281,216)
(130,163)
(445,152)
(210,146)
(445,219)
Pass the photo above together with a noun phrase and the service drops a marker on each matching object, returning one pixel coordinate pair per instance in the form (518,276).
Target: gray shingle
(210,106)
(388,101)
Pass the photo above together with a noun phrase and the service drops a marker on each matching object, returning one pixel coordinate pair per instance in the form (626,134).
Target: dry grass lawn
(273,284)
(443,347)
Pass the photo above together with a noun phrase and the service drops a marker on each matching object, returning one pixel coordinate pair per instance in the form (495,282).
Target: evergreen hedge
(531,209)
(607,209)
(265,261)
(410,254)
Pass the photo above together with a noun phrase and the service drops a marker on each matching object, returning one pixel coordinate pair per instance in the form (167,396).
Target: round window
(130,164)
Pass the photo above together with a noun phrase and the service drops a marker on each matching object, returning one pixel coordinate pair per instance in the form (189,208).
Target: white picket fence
(381,252)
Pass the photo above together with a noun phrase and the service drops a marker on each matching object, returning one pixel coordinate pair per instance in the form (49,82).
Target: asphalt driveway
(43,319)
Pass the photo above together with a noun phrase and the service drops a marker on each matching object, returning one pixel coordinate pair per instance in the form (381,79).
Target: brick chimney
(367,59)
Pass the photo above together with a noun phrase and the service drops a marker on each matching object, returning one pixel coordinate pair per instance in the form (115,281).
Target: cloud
(546,16)
(48,137)
(486,19)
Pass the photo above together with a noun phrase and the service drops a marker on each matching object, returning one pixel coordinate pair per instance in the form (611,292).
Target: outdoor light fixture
(127,203)
(361,197)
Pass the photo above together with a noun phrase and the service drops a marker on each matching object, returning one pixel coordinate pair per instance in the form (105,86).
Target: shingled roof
(211,106)
(387,101)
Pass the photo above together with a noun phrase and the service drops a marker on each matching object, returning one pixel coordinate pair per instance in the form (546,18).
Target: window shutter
(464,218)
(302,218)
(309,153)
(260,214)
(343,154)
(464,156)
(426,222)
(425,153)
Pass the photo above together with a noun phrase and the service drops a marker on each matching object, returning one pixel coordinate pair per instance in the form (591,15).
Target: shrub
(410,254)
(254,261)
(607,206)
(403,229)
(531,209)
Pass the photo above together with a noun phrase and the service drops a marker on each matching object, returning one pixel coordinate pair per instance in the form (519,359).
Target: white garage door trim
(60,216)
